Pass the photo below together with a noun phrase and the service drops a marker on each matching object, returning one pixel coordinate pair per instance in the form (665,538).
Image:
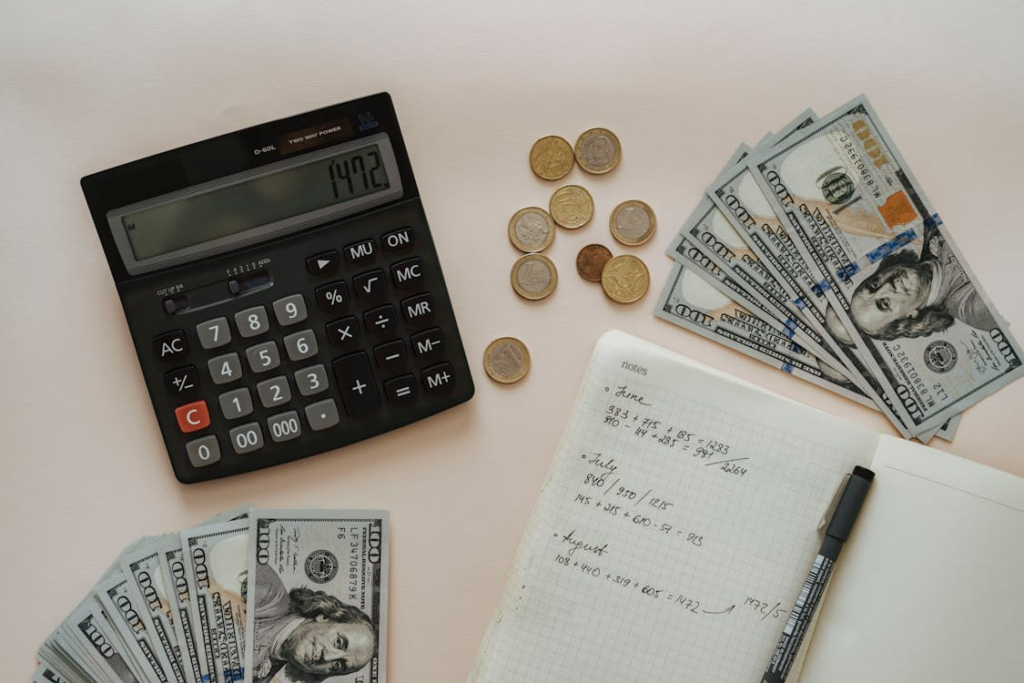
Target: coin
(633,222)
(598,150)
(551,157)
(531,230)
(590,261)
(571,206)
(625,279)
(506,360)
(534,276)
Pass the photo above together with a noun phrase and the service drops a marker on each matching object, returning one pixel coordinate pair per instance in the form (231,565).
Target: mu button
(192,416)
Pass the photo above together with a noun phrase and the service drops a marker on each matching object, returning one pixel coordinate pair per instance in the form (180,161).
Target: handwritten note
(674,530)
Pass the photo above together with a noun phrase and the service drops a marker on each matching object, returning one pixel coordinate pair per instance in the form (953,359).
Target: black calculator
(282,289)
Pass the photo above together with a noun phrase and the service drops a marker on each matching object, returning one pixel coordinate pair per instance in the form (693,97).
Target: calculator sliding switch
(401,390)
(203,452)
(249,283)
(171,346)
(176,304)
(357,384)
(322,415)
(284,427)
(192,416)
(247,438)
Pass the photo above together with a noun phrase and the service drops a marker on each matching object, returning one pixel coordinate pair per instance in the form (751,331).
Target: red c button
(192,416)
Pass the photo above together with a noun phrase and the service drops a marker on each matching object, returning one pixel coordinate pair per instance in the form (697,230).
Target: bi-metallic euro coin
(506,360)
(534,276)
(633,223)
(531,230)
(598,151)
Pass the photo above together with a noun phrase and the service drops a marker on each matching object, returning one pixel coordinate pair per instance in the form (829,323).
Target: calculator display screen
(225,211)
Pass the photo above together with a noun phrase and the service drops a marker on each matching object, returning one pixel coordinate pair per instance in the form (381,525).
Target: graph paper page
(674,530)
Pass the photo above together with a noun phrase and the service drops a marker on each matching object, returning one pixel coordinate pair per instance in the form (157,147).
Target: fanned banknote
(804,234)
(317,604)
(172,608)
(898,288)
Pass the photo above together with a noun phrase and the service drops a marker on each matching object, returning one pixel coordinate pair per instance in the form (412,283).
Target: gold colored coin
(534,276)
(506,360)
(633,222)
(625,279)
(571,206)
(531,230)
(590,261)
(598,151)
(551,157)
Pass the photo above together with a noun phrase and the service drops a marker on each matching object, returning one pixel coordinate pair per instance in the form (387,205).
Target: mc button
(192,416)
(171,346)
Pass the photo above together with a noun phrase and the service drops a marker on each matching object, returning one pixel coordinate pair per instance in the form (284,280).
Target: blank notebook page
(675,528)
(931,586)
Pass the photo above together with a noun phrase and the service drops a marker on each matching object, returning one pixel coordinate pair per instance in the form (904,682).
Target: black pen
(838,531)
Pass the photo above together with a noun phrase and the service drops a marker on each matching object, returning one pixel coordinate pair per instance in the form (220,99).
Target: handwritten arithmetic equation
(591,559)
(626,412)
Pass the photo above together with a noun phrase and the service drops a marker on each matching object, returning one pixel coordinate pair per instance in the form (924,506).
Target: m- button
(171,346)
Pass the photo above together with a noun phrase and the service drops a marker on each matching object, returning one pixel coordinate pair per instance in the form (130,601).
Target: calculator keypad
(339,355)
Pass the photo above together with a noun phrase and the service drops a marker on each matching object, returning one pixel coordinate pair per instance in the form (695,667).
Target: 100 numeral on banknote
(898,288)
(317,599)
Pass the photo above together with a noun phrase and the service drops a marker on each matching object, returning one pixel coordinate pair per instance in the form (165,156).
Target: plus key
(357,384)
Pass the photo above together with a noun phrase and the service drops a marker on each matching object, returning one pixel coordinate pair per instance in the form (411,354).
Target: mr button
(418,309)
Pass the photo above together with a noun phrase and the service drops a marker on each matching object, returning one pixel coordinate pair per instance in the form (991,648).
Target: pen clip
(830,510)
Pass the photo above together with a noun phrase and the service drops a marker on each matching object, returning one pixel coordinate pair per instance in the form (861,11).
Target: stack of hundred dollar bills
(818,253)
(250,595)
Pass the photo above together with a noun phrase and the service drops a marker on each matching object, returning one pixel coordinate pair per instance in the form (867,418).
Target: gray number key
(301,345)
(322,414)
(214,333)
(284,427)
(311,380)
(290,310)
(252,321)
(236,404)
(203,452)
(247,438)
(274,391)
(225,369)
(263,357)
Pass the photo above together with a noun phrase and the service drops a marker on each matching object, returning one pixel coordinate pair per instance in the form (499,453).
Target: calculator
(282,289)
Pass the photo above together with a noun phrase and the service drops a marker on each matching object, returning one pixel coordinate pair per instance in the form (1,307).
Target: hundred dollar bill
(317,596)
(692,303)
(94,632)
(216,556)
(197,642)
(898,288)
(148,581)
(128,616)
(47,673)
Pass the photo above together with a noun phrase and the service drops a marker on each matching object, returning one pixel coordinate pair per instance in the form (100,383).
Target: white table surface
(88,85)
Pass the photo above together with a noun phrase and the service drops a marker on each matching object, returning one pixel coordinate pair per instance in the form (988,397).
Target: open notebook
(679,520)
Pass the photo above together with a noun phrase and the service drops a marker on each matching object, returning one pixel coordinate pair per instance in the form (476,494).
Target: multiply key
(357,384)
